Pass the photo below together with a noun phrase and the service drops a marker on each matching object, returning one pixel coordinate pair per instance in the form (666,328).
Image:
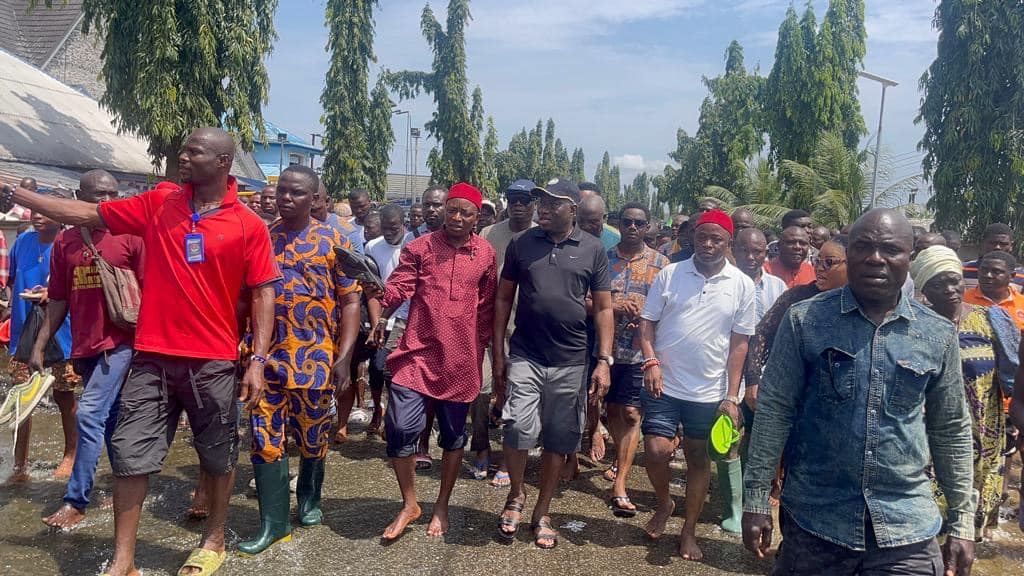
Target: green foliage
(381,139)
(973,109)
(348,159)
(538,155)
(638,191)
(682,187)
(490,181)
(170,67)
(789,91)
(577,168)
(452,125)
(841,46)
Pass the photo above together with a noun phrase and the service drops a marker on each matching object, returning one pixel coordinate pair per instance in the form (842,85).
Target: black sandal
(620,511)
(510,506)
(538,534)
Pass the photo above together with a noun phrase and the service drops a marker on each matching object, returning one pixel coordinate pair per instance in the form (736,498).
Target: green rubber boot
(730,482)
(307,491)
(275,502)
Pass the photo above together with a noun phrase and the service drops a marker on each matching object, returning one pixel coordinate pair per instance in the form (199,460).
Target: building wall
(79,63)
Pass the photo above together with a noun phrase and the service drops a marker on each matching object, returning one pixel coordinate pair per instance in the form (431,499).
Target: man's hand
(653,382)
(627,308)
(6,198)
(599,383)
(377,338)
(499,374)
(958,555)
(757,533)
(341,373)
(35,360)
(732,411)
(371,290)
(251,389)
(750,397)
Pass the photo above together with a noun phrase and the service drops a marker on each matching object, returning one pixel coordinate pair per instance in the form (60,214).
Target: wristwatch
(734,399)
(608,359)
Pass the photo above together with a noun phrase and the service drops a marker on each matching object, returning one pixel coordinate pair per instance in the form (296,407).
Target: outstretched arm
(63,210)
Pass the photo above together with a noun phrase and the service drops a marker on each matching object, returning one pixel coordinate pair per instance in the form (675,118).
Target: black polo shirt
(554,279)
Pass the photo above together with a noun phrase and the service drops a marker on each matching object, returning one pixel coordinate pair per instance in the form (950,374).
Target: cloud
(552,25)
(637,163)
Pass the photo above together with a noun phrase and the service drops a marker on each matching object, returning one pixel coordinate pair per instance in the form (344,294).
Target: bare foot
(688,548)
(200,507)
(64,468)
(65,518)
(20,475)
(597,448)
(571,469)
(112,571)
(656,525)
(438,523)
(405,517)
(341,436)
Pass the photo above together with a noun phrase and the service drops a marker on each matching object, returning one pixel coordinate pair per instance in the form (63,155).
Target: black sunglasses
(523,199)
(627,222)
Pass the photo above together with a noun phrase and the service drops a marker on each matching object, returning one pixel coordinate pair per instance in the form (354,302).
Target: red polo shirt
(188,310)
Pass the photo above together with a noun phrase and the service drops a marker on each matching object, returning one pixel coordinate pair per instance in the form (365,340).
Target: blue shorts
(406,419)
(663,414)
(627,382)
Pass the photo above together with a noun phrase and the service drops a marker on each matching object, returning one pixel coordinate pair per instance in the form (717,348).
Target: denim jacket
(860,410)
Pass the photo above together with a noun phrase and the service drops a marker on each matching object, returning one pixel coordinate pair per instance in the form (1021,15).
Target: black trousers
(804,554)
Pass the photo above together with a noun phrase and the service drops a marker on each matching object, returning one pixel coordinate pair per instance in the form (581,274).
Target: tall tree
(183,65)
(345,98)
(490,182)
(561,161)
(451,124)
(603,176)
(841,45)
(639,190)
(577,168)
(613,193)
(731,120)
(548,168)
(535,156)
(381,139)
(682,186)
(973,112)
(789,96)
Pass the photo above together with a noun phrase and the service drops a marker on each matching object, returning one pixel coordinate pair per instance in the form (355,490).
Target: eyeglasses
(827,263)
(627,222)
(522,199)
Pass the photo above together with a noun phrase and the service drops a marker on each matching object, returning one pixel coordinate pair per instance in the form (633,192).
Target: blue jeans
(103,375)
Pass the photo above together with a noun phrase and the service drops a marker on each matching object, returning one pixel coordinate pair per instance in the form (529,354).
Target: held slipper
(207,561)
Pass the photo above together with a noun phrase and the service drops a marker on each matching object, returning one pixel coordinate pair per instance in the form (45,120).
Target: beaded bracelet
(260,359)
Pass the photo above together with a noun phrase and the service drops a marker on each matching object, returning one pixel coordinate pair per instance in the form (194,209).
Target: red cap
(716,216)
(466,192)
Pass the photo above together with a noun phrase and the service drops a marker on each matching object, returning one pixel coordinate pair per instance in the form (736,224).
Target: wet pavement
(360,499)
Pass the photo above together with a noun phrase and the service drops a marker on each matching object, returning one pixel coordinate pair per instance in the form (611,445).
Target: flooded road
(360,498)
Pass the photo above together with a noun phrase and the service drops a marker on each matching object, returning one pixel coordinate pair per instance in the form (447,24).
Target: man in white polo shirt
(693,333)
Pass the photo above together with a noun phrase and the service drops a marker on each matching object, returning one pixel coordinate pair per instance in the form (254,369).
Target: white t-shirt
(386,256)
(696,317)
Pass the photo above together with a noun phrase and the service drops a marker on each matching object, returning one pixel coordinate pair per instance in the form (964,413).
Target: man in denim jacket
(862,389)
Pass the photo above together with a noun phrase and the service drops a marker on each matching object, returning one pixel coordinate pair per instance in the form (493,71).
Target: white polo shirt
(387,256)
(695,318)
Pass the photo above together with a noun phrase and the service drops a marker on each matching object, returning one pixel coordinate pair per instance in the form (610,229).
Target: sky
(615,75)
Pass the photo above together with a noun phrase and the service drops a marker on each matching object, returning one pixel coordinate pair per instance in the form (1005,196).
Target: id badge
(194,253)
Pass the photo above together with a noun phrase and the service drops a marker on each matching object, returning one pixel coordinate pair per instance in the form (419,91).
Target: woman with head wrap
(939,274)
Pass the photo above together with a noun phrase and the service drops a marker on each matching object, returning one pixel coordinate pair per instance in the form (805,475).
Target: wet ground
(360,498)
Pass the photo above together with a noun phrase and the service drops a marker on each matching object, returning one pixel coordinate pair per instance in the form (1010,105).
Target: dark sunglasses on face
(827,263)
(627,222)
(519,199)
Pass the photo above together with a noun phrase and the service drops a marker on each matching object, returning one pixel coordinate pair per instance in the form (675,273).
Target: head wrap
(466,192)
(716,216)
(933,261)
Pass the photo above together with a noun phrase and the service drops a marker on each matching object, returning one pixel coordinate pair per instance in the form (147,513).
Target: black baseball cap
(522,186)
(561,188)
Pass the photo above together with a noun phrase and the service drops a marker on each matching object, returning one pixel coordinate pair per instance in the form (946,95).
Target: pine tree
(345,98)
(577,166)
(381,139)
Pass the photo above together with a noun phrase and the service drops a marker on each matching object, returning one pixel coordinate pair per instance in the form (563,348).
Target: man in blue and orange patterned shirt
(307,334)
(632,267)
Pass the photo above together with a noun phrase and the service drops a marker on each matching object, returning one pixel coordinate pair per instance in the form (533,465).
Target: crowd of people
(860,379)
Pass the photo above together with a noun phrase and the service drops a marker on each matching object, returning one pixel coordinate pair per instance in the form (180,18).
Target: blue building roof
(293,141)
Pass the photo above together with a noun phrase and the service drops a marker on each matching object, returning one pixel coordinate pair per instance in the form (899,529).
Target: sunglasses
(827,263)
(522,199)
(627,222)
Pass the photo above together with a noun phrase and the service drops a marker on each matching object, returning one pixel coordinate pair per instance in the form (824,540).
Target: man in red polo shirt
(202,247)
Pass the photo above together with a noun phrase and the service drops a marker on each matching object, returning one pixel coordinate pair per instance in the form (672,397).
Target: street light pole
(885,82)
(408,153)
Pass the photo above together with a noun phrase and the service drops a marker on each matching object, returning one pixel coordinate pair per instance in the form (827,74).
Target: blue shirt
(610,237)
(30,267)
(347,230)
(861,410)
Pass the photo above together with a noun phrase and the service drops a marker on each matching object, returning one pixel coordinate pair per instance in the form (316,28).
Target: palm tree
(835,186)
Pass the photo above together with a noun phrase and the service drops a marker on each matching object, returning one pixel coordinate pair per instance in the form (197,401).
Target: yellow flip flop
(207,561)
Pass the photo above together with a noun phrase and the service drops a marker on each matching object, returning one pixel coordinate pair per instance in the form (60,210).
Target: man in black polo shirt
(554,266)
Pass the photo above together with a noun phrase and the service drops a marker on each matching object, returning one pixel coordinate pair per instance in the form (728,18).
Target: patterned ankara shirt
(450,316)
(304,304)
(631,279)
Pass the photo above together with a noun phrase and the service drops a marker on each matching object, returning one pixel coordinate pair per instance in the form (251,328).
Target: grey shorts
(157,390)
(549,400)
